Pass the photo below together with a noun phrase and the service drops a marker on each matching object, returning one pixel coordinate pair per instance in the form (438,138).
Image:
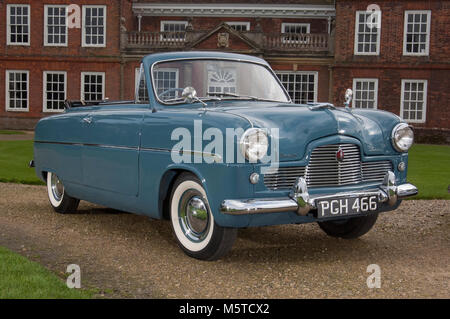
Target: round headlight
(254,144)
(402,137)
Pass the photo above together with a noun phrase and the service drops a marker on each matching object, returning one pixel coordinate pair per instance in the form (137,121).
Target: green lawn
(10,132)
(429,167)
(24,279)
(429,170)
(14,159)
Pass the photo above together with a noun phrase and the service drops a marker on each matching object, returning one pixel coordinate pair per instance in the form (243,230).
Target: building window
(173,30)
(17,90)
(94,26)
(367,33)
(18,24)
(92,86)
(239,26)
(365,93)
(301,86)
(166,79)
(414,100)
(416,39)
(293,31)
(55,26)
(141,86)
(54,91)
(222,81)
(295,28)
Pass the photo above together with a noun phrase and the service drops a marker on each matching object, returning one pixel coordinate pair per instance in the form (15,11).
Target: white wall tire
(60,201)
(193,222)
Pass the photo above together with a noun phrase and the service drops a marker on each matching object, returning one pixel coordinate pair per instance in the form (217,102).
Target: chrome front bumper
(301,202)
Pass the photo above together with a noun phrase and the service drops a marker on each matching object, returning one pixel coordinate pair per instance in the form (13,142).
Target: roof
(157,57)
(304,9)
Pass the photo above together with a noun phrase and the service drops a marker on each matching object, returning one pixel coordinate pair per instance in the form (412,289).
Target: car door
(111,151)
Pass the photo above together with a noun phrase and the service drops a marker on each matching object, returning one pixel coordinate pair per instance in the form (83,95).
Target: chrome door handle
(87,120)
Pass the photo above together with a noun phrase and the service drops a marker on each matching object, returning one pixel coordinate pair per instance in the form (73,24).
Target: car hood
(299,125)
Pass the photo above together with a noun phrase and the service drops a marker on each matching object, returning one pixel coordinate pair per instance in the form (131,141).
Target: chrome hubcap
(194,217)
(57,187)
(197,214)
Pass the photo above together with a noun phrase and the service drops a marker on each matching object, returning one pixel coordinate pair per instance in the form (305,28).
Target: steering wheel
(169,91)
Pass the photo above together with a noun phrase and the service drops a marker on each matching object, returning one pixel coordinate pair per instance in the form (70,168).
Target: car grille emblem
(340,155)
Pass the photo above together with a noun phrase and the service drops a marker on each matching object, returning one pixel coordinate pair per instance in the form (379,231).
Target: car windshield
(215,80)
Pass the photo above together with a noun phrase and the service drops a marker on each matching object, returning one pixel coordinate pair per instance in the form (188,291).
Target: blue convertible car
(213,143)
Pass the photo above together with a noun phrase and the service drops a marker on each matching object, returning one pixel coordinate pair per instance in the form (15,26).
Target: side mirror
(189,94)
(348,97)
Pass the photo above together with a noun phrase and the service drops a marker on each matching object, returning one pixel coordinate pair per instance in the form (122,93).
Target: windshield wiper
(198,100)
(237,96)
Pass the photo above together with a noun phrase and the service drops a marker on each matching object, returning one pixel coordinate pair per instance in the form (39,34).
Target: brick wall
(153,24)
(73,59)
(391,66)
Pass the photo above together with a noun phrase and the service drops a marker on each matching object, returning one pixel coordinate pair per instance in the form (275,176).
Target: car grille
(284,178)
(324,170)
(375,171)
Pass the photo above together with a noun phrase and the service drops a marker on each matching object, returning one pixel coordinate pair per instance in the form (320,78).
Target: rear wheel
(349,228)
(193,222)
(60,201)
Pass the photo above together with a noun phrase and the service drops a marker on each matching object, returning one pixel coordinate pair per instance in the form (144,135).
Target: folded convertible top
(68,104)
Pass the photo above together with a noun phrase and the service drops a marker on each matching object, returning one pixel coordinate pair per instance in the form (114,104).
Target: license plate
(338,207)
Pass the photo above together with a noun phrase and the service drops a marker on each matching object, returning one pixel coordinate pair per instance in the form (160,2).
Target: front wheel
(193,222)
(349,228)
(60,201)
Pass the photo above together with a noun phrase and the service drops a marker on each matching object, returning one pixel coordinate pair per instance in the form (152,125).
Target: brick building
(316,47)
(402,67)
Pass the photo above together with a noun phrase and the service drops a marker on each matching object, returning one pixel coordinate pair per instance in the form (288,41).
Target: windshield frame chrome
(289,100)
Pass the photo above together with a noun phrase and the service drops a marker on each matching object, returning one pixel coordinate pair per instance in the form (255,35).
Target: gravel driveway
(132,256)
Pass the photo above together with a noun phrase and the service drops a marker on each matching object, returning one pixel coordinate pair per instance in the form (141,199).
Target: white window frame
(164,22)
(405,32)
(223,86)
(286,24)
(234,23)
(177,78)
(8,109)
(356,42)
(46,7)
(425,97)
(103,74)
(8,24)
(375,103)
(316,81)
(137,77)
(283,30)
(83,28)
(44,90)
(180,22)
(137,74)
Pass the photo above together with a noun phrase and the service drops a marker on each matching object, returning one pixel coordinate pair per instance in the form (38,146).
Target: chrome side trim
(92,145)
(59,143)
(217,157)
(113,146)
